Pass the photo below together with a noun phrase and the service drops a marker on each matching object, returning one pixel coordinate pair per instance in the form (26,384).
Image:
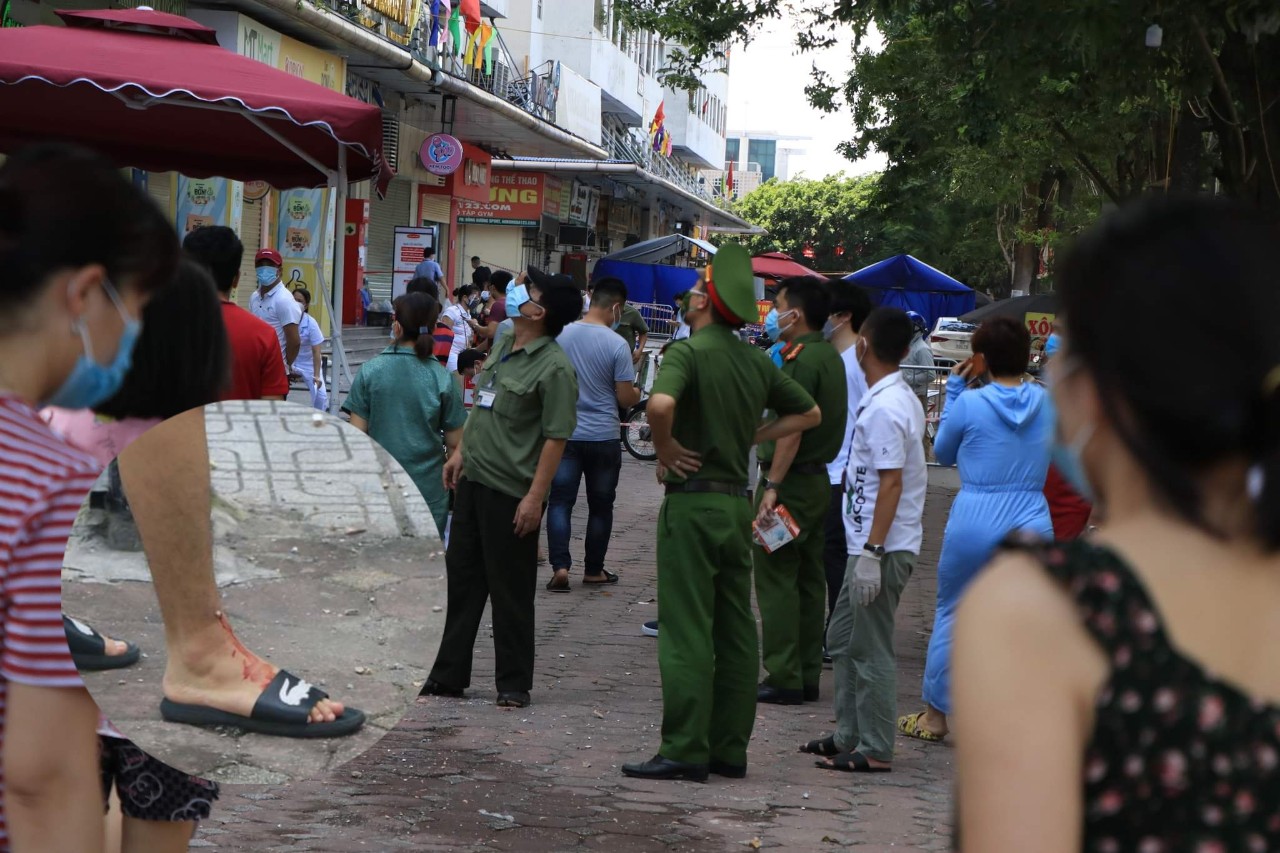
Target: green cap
(730,283)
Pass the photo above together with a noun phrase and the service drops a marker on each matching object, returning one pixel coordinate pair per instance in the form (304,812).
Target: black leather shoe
(664,768)
(771,695)
(514,699)
(730,771)
(435,688)
(811,693)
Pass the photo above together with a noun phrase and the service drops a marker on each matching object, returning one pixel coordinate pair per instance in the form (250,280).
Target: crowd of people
(1112,691)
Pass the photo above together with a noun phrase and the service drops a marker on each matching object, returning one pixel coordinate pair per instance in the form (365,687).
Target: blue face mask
(267,276)
(517,295)
(91,383)
(771,324)
(1066,457)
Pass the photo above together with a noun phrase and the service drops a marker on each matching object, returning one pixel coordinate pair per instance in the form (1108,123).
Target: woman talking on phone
(999,436)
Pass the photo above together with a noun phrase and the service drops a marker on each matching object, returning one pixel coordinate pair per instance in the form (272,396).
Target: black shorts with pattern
(148,788)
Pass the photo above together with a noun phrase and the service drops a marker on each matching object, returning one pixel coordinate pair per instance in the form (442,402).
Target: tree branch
(1221,79)
(1087,164)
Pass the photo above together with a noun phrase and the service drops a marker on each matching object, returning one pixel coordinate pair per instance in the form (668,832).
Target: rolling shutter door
(251,237)
(158,188)
(385,216)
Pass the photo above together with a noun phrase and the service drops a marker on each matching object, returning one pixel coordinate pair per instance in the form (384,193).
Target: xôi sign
(1040,326)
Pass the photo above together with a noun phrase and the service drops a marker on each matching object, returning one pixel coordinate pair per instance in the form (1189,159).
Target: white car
(950,338)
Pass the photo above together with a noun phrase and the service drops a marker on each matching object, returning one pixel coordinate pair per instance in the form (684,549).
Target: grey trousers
(860,642)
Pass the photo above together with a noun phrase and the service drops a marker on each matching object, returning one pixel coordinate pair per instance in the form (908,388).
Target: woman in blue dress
(999,436)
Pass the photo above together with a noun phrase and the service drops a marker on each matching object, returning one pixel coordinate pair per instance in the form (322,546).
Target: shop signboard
(516,199)
(1040,326)
(440,154)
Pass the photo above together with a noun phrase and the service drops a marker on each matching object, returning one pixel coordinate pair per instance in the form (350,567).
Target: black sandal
(851,762)
(556,584)
(609,578)
(89,648)
(283,709)
(823,746)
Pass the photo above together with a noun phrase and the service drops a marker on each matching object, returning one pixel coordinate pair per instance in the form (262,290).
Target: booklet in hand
(775,530)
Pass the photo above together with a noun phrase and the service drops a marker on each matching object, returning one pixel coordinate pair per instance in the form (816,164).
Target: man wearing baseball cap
(705,413)
(273,304)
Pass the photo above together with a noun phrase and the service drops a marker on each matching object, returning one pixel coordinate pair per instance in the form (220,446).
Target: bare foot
(217,671)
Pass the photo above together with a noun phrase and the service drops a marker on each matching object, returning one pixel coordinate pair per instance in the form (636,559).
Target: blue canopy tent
(640,269)
(913,285)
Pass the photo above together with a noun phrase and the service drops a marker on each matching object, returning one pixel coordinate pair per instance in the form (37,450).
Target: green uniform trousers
(791,587)
(707,651)
(860,642)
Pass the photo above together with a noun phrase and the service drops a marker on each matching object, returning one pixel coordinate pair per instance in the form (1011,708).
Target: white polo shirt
(857,382)
(888,434)
(278,308)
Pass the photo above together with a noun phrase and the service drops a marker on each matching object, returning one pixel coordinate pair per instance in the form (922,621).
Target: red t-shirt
(1069,511)
(257,368)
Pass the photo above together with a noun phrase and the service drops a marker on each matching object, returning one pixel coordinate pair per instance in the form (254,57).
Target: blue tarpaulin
(913,285)
(648,282)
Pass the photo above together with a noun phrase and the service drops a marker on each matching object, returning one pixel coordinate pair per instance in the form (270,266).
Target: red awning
(154,91)
(779,265)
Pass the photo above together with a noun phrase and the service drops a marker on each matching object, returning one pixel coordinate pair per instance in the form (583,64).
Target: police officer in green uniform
(705,415)
(791,583)
(526,402)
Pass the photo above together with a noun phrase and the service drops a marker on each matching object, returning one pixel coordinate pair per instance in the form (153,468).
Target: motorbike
(637,436)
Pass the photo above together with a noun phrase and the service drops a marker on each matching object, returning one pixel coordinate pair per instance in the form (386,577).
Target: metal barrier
(661,319)
(930,383)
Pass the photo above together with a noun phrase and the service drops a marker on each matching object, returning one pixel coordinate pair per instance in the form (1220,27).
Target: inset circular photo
(254,592)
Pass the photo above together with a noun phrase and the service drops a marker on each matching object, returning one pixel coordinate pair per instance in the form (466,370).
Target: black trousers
(487,561)
(835,553)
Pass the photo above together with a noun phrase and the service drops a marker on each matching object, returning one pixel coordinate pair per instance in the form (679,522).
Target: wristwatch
(874,550)
(769,484)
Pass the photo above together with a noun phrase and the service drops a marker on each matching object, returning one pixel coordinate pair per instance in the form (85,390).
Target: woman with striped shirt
(81,251)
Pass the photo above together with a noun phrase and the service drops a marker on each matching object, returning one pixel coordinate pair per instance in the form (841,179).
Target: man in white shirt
(885,486)
(273,304)
(849,309)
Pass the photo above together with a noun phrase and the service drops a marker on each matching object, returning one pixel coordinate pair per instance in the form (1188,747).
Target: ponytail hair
(417,314)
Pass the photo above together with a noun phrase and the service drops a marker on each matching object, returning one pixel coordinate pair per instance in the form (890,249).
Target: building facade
(550,105)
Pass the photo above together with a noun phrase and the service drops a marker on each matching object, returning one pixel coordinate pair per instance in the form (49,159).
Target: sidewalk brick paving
(468,776)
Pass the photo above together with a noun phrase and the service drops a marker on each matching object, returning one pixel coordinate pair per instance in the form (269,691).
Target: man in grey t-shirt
(429,268)
(606,380)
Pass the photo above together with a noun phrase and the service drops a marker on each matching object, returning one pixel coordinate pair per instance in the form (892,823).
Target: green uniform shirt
(818,368)
(721,385)
(535,398)
(631,326)
(408,404)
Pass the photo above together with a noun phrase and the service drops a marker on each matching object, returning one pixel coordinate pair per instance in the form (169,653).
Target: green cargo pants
(707,651)
(791,587)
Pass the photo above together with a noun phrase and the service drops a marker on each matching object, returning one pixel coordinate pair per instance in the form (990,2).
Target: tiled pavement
(468,776)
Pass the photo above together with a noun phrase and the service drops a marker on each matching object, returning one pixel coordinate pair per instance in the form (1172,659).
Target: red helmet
(268,255)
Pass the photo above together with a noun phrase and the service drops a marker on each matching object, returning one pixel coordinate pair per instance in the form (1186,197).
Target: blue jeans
(601,462)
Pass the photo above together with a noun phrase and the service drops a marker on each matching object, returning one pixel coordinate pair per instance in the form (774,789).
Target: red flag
(471,13)
(658,118)
(728,181)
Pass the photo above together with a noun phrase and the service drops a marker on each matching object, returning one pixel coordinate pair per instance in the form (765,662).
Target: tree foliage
(1026,117)
(831,222)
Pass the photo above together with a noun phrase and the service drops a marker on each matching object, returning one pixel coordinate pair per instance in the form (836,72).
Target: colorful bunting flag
(455,30)
(471,12)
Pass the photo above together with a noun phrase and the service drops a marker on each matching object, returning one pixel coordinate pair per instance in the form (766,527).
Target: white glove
(866,578)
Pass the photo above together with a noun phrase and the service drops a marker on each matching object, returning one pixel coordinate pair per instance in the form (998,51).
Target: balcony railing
(633,144)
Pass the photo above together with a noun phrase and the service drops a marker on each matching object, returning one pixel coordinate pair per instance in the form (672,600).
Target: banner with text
(515,199)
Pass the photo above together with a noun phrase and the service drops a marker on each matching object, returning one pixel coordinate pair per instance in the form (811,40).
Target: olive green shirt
(535,398)
(817,366)
(631,326)
(721,385)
